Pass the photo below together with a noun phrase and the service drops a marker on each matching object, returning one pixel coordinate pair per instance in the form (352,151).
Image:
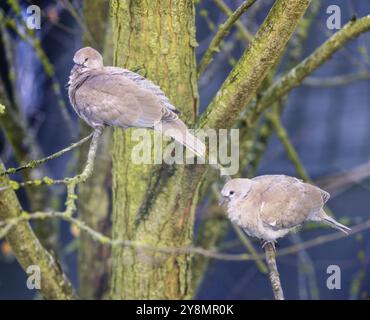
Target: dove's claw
(265,242)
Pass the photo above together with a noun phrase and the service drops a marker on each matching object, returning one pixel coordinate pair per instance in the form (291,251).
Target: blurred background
(327,119)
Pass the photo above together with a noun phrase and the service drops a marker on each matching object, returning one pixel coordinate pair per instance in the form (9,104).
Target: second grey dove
(270,206)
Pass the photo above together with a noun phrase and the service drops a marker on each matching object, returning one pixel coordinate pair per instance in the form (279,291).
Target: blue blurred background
(328,125)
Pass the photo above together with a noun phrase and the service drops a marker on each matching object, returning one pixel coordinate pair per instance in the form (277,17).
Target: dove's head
(88,58)
(235,189)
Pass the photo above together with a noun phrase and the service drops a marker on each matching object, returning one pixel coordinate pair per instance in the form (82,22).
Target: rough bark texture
(28,249)
(154,204)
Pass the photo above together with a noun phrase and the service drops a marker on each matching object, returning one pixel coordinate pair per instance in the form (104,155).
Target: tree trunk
(154,204)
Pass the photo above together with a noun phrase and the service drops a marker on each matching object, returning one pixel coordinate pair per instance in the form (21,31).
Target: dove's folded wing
(286,202)
(146,85)
(116,100)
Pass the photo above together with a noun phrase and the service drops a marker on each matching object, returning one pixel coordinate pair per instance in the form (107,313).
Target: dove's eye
(231,193)
(86,59)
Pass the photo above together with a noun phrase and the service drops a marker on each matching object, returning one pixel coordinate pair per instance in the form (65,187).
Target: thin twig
(28,249)
(295,76)
(282,134)
(18,216)
(341,80)
(70,182)
(273,271)
(101,238)
(221,33)
(248,244)
(82,177)
(34,163)
(338,182)
(306,270)
(239,25)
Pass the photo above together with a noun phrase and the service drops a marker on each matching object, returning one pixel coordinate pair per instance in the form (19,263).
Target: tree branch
(273,271)
(221,33)
(255,138)
(25,244)
(290,150)
(34,163)
(249,246)
(295,76)
(341,80)
(7,225)
(242,83)
(239,25)
(28,249)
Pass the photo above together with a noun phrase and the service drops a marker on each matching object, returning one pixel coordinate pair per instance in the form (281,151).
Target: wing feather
(287,201)
(116,100)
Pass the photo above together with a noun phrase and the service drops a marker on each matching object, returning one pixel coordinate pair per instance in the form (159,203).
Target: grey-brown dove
(270,206)
(111,96)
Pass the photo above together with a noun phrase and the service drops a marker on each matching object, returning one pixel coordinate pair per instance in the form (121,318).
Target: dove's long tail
(177,130)
(334,224)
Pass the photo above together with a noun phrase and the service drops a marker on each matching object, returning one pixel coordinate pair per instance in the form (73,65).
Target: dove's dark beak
(223,201)
(77,67)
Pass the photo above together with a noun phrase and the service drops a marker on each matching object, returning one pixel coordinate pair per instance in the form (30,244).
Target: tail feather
(178,131)
(335,224)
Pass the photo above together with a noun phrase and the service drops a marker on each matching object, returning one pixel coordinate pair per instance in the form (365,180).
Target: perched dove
(270,206)
(111,96)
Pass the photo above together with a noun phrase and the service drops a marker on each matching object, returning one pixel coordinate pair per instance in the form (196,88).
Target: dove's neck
(76,72)
(80,73)
(77,77)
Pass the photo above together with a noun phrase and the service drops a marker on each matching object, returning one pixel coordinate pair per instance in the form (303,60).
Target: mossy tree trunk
(154,204)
